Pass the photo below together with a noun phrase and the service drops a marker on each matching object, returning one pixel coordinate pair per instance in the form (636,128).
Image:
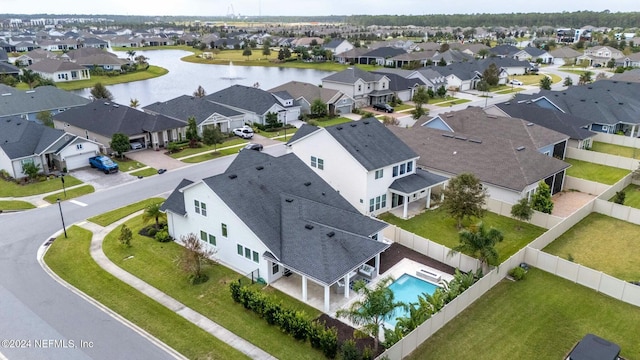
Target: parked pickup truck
(103,163)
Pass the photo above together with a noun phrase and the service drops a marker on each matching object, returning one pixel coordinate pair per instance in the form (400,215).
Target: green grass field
(186,151)
(70,194)
(619,150)
(117,214)
(70,259)
(151,72)
(155,263)
(602,243)
(542,317)
(595,172)
(126,164)
(212,155)
(436,225)
(632,196)
(15,205)
(11,189)
(145,172)
(334,121)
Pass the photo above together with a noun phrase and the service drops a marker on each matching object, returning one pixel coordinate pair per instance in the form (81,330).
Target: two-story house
(364,87)
(366,163)
(600,55)
(273,217)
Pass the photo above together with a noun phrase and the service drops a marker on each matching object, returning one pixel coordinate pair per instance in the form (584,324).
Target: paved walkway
(196,318)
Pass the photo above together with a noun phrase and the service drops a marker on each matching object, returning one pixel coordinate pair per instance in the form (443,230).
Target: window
(320,164)
(196,204)
(212,239)
(314,161)
(371,204)
(379,173)
(78,146)
(203,209)
(395,171)
(247,253)
(256,258)
(359,88)
(402,169)
(203,236)
(548,153)
(384,200)
(240,250)
(224,230)
(275,268)
(410,166)
(317,163)
(377,203)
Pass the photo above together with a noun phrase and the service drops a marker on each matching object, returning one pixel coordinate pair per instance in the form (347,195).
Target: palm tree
(375,306)
(134,103)
(131,54)
(152,212)
(480,243)
(29,77)
(200,92)
(585,78)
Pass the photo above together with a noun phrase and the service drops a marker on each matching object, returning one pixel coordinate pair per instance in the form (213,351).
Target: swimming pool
(406,289)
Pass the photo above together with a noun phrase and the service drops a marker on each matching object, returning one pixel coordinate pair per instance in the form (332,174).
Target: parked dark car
(252,146)
(383,107)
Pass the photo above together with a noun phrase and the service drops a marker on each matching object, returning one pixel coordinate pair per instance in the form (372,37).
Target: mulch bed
(345,332)
(397,252)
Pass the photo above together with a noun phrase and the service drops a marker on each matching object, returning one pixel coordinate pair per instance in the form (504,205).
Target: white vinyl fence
(617,140)
(540,219)
(603,158)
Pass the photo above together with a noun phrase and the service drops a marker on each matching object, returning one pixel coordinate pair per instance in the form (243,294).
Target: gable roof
(593,347)
(371,143)
(302,210)
(51,66)
(39,99)
(565,52)
(185,106)
(399,83)
(567,124)
(244,97)
(351,75)
(107,118)
(21,138)
(384,52)
(175,201)
(307,91)
(6,68)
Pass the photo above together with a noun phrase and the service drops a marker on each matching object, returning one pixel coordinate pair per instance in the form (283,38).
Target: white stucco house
(366,163)
(273,216)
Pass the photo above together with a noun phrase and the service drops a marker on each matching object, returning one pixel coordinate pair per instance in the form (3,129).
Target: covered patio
(411,195)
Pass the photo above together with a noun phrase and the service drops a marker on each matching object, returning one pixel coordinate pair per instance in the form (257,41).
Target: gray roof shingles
(36,100)
(175,201)
(186,106)
(244,97)
(21,138)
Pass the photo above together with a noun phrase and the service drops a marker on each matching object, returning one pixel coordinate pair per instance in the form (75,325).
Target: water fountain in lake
(232,73)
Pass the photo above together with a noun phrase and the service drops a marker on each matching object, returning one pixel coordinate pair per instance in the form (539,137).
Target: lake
(184,78)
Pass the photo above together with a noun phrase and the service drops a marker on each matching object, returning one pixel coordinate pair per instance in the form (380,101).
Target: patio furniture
(339,287)
(366,271)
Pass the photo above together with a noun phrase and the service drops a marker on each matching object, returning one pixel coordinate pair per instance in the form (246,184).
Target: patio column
(327,299)
(405,207)
(304,288)
(346,285)
(444,186)
(429,198)
(377,264)
(633,131)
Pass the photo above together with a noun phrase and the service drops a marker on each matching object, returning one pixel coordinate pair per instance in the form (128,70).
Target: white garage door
(78,161)
(345,109)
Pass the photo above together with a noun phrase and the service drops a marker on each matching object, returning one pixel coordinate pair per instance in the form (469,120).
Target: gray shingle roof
(307,91)
(371,143)
(420,180)
(244,97)
(8,68)
(399,83)
(384,52)
(175,201)
(107,118)
(351,75)
(20,138)
(51,66)
(493,160)
(36,100)
(303,131)
(186,106)
(259,193)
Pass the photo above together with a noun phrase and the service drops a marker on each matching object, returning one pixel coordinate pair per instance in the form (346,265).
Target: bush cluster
(518,273)
(294,323)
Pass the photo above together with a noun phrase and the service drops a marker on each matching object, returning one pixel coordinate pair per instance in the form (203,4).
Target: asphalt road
(47,316)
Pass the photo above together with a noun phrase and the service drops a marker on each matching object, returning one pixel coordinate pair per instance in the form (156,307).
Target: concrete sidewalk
(196,318)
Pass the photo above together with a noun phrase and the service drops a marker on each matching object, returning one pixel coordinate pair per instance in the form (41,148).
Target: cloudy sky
(308,7)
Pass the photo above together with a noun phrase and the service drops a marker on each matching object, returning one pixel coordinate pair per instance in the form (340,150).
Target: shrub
(316,330)
(163,236)
(619,197)
(518,273)
(367,353)
(173,147)
(235,291)
(329,343)
(152,231)
(313,122)
(349,351)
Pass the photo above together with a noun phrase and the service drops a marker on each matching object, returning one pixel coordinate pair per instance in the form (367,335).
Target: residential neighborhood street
(33,306)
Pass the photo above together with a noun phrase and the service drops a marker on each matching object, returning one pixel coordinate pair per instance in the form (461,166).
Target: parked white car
(516,82)
(245,132)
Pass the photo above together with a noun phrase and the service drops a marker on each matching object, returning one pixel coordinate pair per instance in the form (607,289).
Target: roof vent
(589,87)
(520,148)
(530,124)
(233,176)
(339,127)
(583,100)
(620,103)
(448,135)
(29,92)
(331,234)
(475,141)
(460,137)
(352,125)
(106,103)
(288,200)
(449,115)
(6,94)
(508,103)
(366,122)
(308,227)
(259,167)
(116,105)
(492,116)
(307,183)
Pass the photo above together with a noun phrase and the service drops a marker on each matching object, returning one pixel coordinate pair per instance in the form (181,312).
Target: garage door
(345,109)
(78,161)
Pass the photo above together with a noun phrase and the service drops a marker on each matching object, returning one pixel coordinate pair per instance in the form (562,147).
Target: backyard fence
(617,140)
(584,186)
(602,158)
(540,219)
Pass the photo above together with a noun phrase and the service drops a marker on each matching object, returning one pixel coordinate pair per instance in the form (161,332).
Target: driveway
(100,180)
(155,159)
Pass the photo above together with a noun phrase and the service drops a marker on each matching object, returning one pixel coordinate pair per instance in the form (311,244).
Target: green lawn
(11,189)
(151,72)
(70,259)
(334,121)
(126,164)
(70,194)
(619,150)
(212,155)
(602,243)
(186,151)
(632,196)
(436,225)
(446,103)
(154,263)
(272,134)
(595,172)
(117,214)
(145,172)
(15,205)
(542,317)
(401,107)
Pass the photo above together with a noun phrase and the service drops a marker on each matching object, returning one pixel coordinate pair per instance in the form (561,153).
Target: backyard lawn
(155,263)
(632,196)
(602,243)
(542,317)
(70,259)
(11,189)
(151,72)
(595,172)
(436,225)
(619,150)
(334,121)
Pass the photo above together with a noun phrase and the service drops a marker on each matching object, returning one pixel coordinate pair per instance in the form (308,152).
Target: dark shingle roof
(244,97)
(420,180)
(186,106)
(107,118)
(51,66)
(36,100)
(277,197)
(351,75)
(8,68)
(20,138)
(384,52)
(371,143)
(399,83)
(303,131)
(175,201)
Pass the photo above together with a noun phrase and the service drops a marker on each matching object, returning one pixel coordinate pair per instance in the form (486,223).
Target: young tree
(420,98)
(464,196)
(45,118)
(29,77)
(567,81)
(99,91)
(200,92)
(480,243)
(545,83)
(491,74)
(442,92)
(31,170)
(125,235)
(194,255)
(375,306)
(281,55)
(152,212)
(131,54)
(272,120)
(541,199)
(585,78)
(247,52)
(266,50)
(318,108)
(522,210)
(120,143)
(192,132)
(619,197)
(134,103)
(211,135)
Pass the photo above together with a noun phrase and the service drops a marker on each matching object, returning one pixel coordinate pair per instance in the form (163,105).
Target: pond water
(184,78)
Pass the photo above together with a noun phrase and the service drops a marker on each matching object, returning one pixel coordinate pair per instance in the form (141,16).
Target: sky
(308,7)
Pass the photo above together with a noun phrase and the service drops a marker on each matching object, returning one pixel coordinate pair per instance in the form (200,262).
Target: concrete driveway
(100,180)
(155,159)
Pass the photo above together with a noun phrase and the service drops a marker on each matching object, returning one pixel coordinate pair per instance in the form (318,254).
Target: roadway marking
(78,203)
